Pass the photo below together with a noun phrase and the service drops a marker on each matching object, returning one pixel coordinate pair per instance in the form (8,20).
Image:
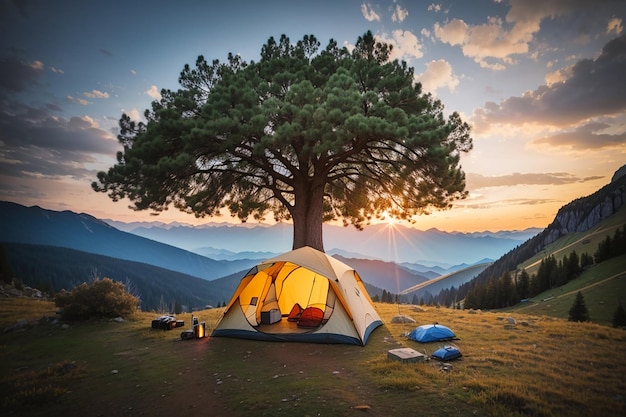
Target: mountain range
(203,264)
(393,243)
(61,249)
(83,232)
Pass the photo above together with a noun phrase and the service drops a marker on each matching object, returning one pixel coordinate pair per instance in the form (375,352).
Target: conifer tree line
(510,288)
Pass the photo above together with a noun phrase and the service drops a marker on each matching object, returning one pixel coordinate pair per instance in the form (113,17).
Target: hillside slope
(386,275)
(37,226)
(453,279)
(578,216)
(50,268)
(541,269)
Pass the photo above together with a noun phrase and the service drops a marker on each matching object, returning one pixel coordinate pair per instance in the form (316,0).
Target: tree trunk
(307,216)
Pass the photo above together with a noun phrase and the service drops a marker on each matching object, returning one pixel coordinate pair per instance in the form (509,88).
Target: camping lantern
(199,330)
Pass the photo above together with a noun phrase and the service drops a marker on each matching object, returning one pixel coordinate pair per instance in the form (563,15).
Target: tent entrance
(282,288)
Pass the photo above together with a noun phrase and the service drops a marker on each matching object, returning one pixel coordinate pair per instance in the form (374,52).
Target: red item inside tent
(311,317)
(296,312)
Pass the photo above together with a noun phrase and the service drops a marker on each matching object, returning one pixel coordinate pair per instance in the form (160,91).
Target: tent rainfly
(301,296)
(431,333)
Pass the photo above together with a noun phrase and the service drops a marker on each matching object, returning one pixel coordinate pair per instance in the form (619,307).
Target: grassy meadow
(540,366)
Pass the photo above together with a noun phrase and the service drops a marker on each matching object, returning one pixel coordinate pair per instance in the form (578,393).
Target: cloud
(369,14)
(558,76)
(496,43)
(434,7)
(614,26)
(35,143)
(507,203)
(399,14)
(585,137)
(78,100)
(134,114)
(477,181)
(594,87)
(455,32)
(96,94)
(405,44)
(153,92)
(438,74)
(489,45)
(17,75)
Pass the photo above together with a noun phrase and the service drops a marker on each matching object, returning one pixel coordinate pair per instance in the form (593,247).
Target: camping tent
(431,333)
(303,295)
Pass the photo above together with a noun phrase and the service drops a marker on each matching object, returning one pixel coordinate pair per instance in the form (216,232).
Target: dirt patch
(233,377)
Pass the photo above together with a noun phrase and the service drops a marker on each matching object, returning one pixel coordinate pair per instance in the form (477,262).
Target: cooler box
(271,316)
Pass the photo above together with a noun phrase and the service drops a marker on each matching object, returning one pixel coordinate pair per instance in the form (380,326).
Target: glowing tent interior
(303,295)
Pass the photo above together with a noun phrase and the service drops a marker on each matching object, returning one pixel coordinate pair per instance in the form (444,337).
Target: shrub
(102,298)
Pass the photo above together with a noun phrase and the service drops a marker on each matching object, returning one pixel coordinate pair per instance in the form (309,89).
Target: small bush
(102,298)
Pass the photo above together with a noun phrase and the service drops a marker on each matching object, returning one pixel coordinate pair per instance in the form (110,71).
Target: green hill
(51,269)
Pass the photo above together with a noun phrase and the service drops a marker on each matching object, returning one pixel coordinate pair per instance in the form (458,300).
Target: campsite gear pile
(198,330)
(303,295)
(167,322)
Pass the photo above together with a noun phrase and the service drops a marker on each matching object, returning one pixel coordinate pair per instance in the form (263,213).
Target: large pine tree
(305,135)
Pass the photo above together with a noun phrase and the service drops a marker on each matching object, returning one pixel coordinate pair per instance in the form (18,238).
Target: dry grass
(540,366)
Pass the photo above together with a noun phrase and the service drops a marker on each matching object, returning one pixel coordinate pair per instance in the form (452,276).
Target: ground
(257,378)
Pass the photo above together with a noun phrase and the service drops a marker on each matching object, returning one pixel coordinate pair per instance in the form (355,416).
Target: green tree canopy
(305,134)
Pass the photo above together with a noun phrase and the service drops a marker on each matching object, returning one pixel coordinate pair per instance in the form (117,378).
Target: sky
(541,82)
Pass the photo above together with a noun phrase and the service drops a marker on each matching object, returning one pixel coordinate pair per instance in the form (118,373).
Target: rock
(402,319)
(446,367)
(32,292)
(19,325)
(118,319)
(511,320)
(12,292)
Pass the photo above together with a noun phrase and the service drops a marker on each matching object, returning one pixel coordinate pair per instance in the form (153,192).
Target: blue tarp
(431,333)
(447,353)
